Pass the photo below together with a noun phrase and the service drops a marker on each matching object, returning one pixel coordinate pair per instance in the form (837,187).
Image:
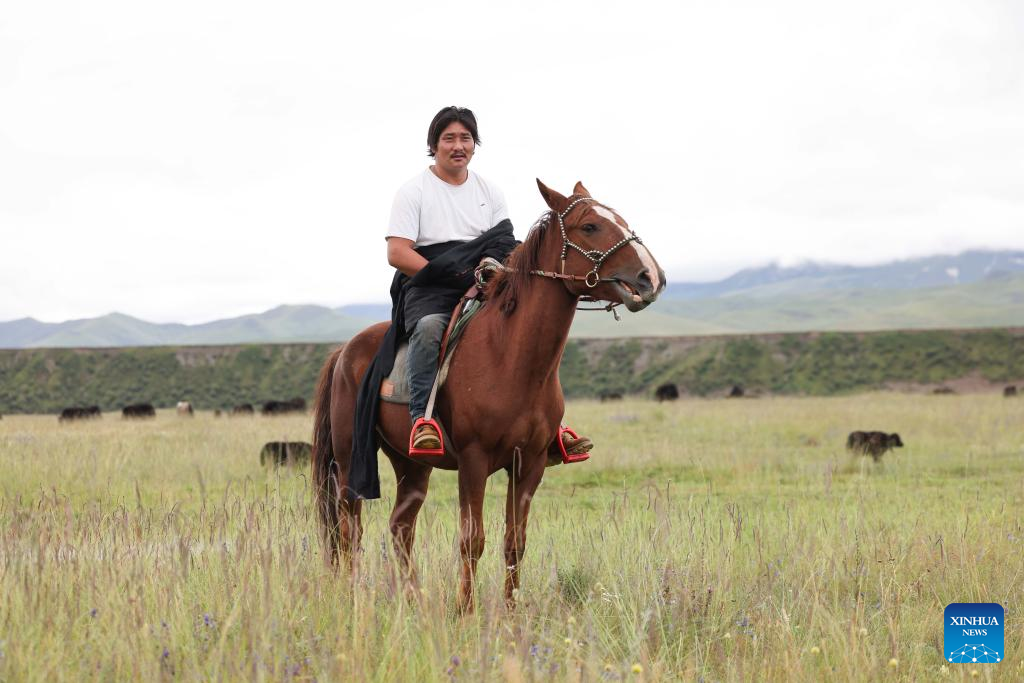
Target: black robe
(436,288)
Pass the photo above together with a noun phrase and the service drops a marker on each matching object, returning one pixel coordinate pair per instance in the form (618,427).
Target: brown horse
(502,400)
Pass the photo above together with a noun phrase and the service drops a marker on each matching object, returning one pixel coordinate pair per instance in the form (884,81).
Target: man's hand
(401,255)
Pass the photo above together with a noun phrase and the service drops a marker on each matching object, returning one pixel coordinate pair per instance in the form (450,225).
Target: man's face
(454,149)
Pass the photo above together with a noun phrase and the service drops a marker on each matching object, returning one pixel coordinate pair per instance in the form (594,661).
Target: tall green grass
(715,540)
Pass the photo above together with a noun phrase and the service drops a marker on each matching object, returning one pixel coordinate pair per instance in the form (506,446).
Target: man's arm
(401,255)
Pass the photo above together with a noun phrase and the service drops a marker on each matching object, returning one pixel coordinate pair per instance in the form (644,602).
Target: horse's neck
(533,337)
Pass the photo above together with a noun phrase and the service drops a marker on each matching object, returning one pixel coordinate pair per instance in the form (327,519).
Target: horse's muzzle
(638,291)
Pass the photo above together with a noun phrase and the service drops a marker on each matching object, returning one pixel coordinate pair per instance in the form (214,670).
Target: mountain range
(972,289)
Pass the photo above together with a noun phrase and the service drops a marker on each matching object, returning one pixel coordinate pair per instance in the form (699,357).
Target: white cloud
(197,160)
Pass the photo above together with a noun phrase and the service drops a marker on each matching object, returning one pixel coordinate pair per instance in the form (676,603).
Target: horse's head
(607,258)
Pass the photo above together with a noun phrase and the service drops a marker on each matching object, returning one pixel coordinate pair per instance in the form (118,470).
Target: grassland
(706,540)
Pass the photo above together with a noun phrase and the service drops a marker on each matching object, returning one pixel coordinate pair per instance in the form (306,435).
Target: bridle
(592,278)
(597,257)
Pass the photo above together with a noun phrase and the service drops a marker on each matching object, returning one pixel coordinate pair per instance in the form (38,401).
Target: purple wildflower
(93,612)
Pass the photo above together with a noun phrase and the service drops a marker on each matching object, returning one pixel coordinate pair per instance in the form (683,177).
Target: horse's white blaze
(641,251)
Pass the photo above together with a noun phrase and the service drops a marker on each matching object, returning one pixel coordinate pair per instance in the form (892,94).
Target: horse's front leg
(472,480)
(523,481)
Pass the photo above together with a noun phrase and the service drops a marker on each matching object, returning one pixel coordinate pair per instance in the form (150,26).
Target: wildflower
(894,662)
(455,660)
(93,612)
(208,620)
(571,621)
(637,669)
(609,667)
(815,650)
(863,631)
(727,635)
(534,650)
(974,673)
(568,641)
(166,654)
(943,670)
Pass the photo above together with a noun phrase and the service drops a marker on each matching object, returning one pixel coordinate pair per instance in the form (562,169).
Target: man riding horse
(442,207)
(502,402)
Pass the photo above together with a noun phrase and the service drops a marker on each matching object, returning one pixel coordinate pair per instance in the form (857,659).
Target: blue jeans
(424,345)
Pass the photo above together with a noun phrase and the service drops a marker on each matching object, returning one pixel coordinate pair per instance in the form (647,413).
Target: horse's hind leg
(343,519)
(413,479)
(350,510)
(522,485)
(472,480)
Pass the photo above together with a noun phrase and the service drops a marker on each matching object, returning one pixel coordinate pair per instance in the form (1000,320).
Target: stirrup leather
(566,458)
(420,452)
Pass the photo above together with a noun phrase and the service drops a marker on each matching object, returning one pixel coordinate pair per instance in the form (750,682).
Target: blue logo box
(973,633)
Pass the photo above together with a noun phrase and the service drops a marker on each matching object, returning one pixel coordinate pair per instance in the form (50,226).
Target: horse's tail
(326,490)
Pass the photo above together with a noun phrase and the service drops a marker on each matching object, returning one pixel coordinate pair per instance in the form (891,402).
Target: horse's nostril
(644,277)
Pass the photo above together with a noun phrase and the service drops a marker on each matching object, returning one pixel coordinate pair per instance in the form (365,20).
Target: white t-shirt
(428,210)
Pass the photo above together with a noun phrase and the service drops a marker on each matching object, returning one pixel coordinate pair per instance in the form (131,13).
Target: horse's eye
(589,228)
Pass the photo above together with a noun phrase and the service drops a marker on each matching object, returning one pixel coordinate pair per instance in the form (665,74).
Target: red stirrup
(566,458)
(420,452)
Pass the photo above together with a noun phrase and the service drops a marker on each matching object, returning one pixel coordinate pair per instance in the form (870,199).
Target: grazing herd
(183,409)
(273,453)
(874,443)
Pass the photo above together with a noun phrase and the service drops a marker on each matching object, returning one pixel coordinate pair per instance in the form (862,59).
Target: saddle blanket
(395,387)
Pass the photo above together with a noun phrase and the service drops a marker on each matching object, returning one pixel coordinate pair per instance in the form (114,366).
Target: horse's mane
(508,285)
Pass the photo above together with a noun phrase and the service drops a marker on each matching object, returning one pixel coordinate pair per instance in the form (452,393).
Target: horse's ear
(580,191)
(555,201)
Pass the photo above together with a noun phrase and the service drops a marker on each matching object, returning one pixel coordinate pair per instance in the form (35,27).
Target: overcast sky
(195,160)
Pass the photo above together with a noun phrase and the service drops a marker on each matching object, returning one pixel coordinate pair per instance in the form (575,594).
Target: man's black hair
(445,118)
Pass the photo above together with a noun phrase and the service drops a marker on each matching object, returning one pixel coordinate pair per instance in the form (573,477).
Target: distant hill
(281,324)
(929,272)
(995,302)
(972,289)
